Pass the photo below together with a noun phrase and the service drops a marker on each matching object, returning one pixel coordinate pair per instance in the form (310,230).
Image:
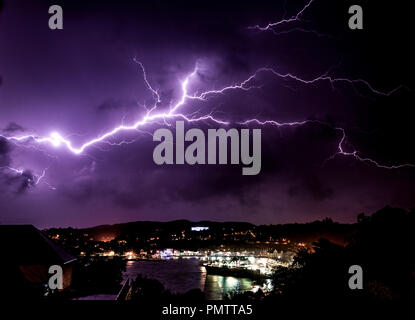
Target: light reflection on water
(181,275)
(218,286)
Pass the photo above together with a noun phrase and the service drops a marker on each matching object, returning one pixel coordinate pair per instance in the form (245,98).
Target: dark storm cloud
(86,189)
(10,181)
(4,152)
(312,186)
(213,182)
(16,183)
(21,183)
(196,184)
(317,188)
(13,127)
(82,81)
(91,189)
(114,104)
(132,199)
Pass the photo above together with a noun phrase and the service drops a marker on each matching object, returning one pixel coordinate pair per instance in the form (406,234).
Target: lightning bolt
(295,18)
(33,179)
(151,116)
(340,146)
(356,155)
(56,139)
(275,27)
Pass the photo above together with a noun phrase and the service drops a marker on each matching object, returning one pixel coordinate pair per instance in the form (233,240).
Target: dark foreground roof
(26,245)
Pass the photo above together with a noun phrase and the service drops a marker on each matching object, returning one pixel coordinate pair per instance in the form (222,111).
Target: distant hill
(299,232)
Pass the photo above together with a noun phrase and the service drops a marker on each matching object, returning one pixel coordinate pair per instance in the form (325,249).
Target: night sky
(83,81)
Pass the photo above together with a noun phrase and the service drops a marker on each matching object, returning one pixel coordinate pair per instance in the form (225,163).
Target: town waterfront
(181,275)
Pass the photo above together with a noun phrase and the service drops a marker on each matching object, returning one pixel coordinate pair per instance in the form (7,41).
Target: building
(27,255)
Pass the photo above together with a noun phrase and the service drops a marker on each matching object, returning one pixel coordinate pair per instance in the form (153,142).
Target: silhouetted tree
(382,245)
